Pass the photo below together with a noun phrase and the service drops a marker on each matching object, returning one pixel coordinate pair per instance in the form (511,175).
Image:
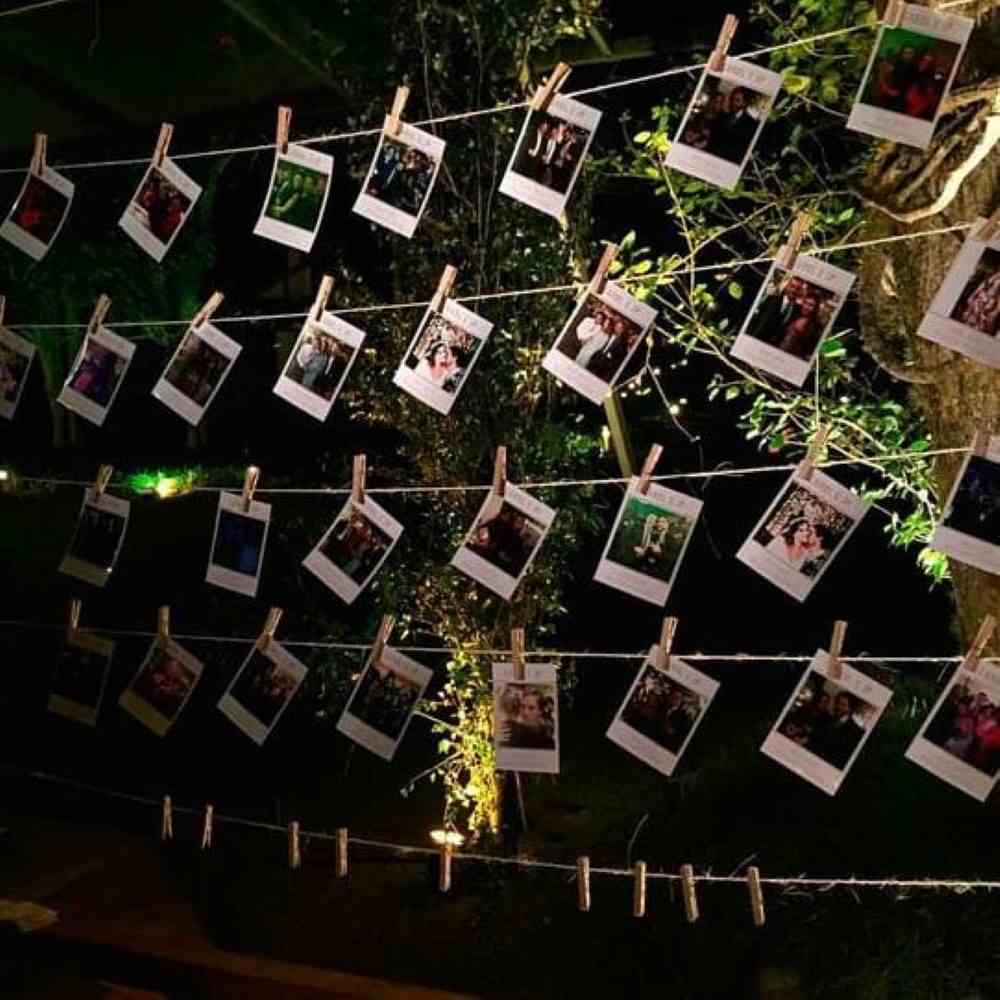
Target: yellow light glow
(447,837)
(166,487)
(4,475)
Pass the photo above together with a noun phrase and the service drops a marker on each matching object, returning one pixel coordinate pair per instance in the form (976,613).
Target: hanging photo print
(801,532)
(80,677)
(383,701)
(238,544)
(296,200)
(506,536)
(959,741)
(319,364)
(262,689)
(970,528)
(723,122)
(15,361)
(400,179)
(159,208)
(526,718)
(661,712)
(97,374)
(161,688)
(648,541)
(196,371)
(598,340)
(825,723)
(441,355)
(39,212)
(794,311)
(352,551)
(910,71)
(549,154)
(965,313)
(100,531)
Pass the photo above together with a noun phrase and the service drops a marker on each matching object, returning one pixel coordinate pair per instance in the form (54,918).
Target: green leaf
(732,392)
(797,84)
(735,289)
(641,138)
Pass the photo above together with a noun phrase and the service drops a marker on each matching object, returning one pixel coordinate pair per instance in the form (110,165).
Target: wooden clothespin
(358,479)
(270,627)
(600,276)
(814,453)
(444,866)
(104,474)
(445,285)
(98,315)
(341,850)
(689,893)
(384,631)
(639,889)
(648,468)
(583,883)
(392,120)
(206,830)
(39,152)
(250,481)
(74,616)
(756,895)
(666,641)
(833,670)
(294,854)
(163,625)
(717,60)
(284,127)
(207,311)
(322,298)
(551,87)
(3,307)
(983,636)
(894,11)
(500,471)
(167,826)
(163,144)
(989,230)
(517,652)
(789,253)
(980,443)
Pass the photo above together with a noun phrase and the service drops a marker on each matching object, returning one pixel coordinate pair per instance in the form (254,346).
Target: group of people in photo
(297,195)
(792,314)
(661,709)
(804,531)
(263,687)
(549,151)
(384,700)
(724,119)
(40,209)
(13,365)
(979,304)
(599,339)
(98,373)
(197,369)
(160,206)
(910,73)
(442,354)
(355,545)
(401,176)
(506,539)
(164,683)
(525,716)
(318,362)
(967,725)
(823,720)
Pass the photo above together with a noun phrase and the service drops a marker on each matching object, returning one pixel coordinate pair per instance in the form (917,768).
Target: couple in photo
(527,717)
(723,124)
(160,206)
(355,545)
(196,369)
(601,341)
(98,373)
(164,684)
(979,306)
(910,79)
(791,315)
(318,363)
(968,727)
(662,711)
(40,209)
(824,723)
(297,196)
(803,544)
(401,177)
(550,151)
(263,688)
(505,540)
(442,355)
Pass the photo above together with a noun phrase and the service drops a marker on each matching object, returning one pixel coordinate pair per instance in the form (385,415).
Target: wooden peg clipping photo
(551,87)
(717,60)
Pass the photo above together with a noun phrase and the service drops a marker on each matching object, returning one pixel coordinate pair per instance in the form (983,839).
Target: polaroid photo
(238,544)
(400,179)
(383,702)
(296,199)
(959,741)
(319,365)
(503,541)
(825,723)
(549,154)
(162,686)
(39,212)
(354,547)
(793,312)
(159,208)
(441,355)
(910,71)
(97,375)
(80,677)
(723,122)
(648,541)
(661,712)
(97,541)
(196,371)
(597,342)
(526,718)
(969,531)
(262,689)
(15,361)
(965,313)
(801,533)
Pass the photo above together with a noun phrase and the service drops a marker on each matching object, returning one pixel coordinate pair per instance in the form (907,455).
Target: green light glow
(164,484)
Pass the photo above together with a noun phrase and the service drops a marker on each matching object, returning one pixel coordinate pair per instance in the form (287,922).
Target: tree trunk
(908,191)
